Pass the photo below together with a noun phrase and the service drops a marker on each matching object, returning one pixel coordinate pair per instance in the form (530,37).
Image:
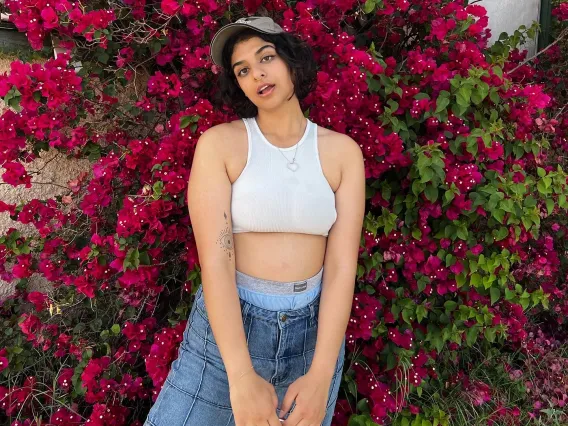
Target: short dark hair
(293,50)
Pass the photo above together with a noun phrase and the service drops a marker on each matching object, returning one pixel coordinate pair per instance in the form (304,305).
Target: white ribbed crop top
(269,197)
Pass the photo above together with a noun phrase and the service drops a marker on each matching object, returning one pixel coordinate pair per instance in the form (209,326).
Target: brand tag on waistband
(300,286)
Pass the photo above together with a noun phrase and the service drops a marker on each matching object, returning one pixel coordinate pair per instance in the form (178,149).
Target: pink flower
(3,360)
(50,18)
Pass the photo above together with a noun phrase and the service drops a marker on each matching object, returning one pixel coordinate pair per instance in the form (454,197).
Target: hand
(310,392)
(254,401)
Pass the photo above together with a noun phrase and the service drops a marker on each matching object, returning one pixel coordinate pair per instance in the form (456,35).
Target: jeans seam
(279,339)
(248,336)
(249,327)
(189,349)
(198,397)
(230,418)
(304,348)
(199,386)
(336,377)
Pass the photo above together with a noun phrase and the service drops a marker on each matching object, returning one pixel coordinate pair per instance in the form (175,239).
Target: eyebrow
(256,53)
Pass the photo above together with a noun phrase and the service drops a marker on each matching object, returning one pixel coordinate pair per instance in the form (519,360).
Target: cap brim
(219,40)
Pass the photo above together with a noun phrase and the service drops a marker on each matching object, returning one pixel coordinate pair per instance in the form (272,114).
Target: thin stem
(560,37)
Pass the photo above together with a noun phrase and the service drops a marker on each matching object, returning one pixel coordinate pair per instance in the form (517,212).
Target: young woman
(276,205)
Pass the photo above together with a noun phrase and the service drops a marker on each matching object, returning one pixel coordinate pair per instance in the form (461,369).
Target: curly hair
(295,52)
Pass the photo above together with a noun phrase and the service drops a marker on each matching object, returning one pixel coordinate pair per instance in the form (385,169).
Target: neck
(286,124)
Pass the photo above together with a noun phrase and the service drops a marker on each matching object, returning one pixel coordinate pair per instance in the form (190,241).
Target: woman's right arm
(253,399)
(208,199)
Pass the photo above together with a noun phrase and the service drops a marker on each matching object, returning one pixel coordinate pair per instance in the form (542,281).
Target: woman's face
(255,63)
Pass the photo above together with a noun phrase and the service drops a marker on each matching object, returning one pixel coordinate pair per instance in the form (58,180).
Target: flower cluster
(462,238)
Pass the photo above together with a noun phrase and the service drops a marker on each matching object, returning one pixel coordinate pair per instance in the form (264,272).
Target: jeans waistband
(278,287)
(279,295)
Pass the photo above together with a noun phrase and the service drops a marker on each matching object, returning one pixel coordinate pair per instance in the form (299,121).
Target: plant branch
(560,37)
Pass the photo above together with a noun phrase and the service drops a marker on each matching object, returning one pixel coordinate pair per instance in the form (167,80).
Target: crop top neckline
(270,197)
(299,143)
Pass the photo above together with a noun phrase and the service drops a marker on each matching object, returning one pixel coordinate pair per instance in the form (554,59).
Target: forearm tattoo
(226,239)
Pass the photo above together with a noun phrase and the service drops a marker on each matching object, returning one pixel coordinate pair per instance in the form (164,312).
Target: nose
(258,74)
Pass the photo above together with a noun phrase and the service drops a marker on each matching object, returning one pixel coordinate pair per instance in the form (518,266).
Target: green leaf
(494,96)
(549,206)
(421,313)
(463,97)
(369,6)
(498,71)
(450,305)
(406,316)
(490,334)
(475,280)
(442,102)
(501,234)
(541,186)
(431,193)
(462,233)
(495,295)
(498,214)
(471,335)
(509,295)
(426,174)
(155,46)
(103,57)
(482,90)
(529,201)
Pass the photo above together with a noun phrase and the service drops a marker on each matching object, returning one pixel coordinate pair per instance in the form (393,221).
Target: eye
(239,74)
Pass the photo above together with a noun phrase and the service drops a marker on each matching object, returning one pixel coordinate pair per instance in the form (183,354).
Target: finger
(274,398)
(274,420)
(296,419)
(288,400)
(293,419)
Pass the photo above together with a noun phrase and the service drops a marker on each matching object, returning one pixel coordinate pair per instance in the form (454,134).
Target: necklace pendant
(293,166)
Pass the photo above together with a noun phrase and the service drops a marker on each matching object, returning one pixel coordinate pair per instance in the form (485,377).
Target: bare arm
(209,202)
(340,264)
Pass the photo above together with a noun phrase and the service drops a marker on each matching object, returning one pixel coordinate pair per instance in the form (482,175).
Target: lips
(264,89)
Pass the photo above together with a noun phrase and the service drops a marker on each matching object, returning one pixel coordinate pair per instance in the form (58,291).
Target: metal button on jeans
(283,317)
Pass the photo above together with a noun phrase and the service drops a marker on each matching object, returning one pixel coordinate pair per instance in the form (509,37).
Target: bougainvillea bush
(462,242)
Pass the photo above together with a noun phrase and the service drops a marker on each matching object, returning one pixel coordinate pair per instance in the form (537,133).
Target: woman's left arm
(340,263)
(340,271)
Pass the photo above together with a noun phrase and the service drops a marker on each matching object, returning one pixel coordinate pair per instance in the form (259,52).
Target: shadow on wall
(56,171)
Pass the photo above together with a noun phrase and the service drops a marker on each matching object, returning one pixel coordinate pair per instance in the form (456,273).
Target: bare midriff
(279,256)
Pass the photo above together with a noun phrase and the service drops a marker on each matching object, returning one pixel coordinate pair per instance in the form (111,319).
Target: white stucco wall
(56,172)
(508,15)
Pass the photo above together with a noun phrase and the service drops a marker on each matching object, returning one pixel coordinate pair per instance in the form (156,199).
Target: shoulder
(220,132)
(221,137)
(342,145)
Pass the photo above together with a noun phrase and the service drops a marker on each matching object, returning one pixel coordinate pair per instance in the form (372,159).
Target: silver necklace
(292,165)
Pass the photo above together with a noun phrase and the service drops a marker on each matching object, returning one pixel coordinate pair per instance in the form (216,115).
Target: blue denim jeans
(281,332)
